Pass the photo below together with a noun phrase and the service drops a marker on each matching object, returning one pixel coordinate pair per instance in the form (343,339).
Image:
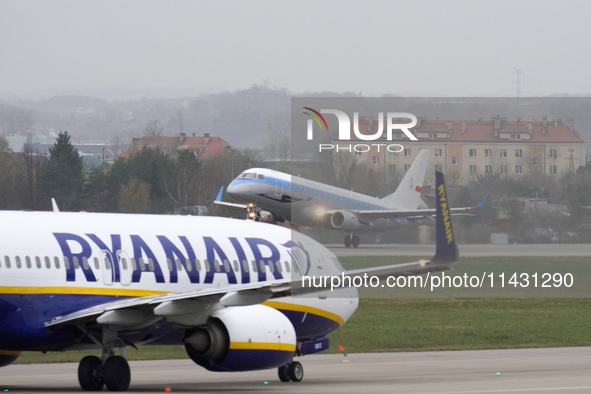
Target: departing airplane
(271,196)
(222,287)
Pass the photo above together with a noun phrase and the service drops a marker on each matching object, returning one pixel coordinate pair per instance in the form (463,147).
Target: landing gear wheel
(116,373)
(347,241)
(283,372)
(90,374)
(355,241)
(296,371)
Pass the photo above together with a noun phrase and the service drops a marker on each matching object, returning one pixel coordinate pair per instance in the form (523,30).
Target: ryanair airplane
(222,287)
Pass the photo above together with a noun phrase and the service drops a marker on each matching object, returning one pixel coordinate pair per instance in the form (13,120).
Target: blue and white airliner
(222,287)
(272,196)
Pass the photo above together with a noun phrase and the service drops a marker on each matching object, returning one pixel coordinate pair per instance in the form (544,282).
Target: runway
(466,250)
(479,371)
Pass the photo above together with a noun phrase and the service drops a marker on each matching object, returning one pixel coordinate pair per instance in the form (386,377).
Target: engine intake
(344,220)
(244,338)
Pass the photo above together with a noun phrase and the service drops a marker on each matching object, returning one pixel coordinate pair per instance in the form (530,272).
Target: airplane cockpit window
(247,175)
(261,177)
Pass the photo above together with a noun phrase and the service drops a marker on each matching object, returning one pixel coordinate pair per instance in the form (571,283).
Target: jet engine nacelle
(7,357)
(243,338)
(345,221)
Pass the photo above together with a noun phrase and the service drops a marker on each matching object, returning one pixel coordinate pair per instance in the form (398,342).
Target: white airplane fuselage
(53,264)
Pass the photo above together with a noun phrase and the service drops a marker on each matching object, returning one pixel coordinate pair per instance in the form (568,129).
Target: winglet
(219,196)
(481,203)
(446,249)
(54,205)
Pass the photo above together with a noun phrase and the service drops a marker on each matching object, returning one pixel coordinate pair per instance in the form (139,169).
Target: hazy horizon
(422,48)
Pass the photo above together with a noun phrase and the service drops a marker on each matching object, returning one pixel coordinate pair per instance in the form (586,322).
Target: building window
(518,153)
(438,152)
(488,153)
(391,154)
(397,136)
(518,169)
(553,170)
(392,167)
(455,176)
(553,153)
(503,153)
(406,167)
(432,136)
(503,169)
(488,169)
(358,153)
(438,167)
(472,169)
(455,161)
(375,160)
(406,152)
(472,153)
(535,161)
(515,136)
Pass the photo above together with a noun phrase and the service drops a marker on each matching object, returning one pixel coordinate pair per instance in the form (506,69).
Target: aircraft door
(278,188)
(125,268)
(107,267)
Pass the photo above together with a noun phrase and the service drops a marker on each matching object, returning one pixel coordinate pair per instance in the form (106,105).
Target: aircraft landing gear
(293,371)
(351,240)
(112,371)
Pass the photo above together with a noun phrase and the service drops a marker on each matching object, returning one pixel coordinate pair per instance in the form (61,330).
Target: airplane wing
(366,216)
(196,306)
(218,200)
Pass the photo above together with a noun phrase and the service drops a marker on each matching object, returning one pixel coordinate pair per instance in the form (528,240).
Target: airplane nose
(236,190)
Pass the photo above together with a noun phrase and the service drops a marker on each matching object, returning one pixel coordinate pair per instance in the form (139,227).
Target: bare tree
(153,129)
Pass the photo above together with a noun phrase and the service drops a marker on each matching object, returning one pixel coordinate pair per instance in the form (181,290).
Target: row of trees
(148,182)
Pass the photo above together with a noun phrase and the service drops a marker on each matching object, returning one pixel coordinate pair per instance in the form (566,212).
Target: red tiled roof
(207,146)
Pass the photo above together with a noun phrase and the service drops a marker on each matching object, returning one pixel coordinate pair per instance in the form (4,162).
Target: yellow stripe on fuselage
(286,347)
(9,353)
(79,291)
(304,308)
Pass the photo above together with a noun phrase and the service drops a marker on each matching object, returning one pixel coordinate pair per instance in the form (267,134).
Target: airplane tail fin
(446,249)
(408,194)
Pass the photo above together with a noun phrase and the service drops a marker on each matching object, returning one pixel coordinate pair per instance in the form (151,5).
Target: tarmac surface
(565,370)
(466,250)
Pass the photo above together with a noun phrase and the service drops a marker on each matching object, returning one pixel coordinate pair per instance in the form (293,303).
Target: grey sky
(374,47)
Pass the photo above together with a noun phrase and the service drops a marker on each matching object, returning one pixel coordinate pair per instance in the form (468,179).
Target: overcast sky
(374,47)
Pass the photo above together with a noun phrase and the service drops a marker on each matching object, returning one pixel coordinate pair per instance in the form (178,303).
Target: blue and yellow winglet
(446,248)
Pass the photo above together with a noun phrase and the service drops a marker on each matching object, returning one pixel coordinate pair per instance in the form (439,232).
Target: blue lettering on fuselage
(63,239)
(241,258)
(112,255)
(212,248)
(255,244)
(140,245)
(171,251)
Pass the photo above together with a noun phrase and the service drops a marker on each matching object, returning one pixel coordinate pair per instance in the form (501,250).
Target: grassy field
(414,324)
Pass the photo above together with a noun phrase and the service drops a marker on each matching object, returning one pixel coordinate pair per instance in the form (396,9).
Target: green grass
(419,324)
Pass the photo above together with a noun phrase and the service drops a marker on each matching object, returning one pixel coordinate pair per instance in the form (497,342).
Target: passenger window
(236,266)
(255,267)
(85,263)
(169,263)
(151,264)
(189,264)
(271,266)
(262,266)
(66,262)
(76,262)
(227,267)
(28,261)
(142,264)
(7,261)
(244,265)
(133,264)
(207,266)
(279,267)
(124,264)
(287,267)
(19,264)
(179,266)
(97,264)
(198,265)
(38,262)
(56,262)
(216,264)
